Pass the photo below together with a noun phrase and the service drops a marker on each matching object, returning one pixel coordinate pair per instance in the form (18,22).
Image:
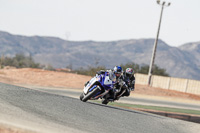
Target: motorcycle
(126,87)
(99,87)
(121,89)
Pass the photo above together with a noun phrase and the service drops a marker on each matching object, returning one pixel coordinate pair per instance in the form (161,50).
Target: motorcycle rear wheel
(105,101)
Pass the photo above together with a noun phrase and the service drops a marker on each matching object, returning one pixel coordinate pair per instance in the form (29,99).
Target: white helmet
(129,72)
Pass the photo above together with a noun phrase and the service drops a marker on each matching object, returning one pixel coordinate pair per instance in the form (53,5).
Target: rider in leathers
(119,83)
(126,84)
(129,79)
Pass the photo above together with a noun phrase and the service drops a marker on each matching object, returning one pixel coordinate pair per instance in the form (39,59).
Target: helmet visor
(128,75)
(117,74)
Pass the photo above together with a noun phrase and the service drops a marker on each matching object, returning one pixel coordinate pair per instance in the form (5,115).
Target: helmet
(129,72)
(117,71)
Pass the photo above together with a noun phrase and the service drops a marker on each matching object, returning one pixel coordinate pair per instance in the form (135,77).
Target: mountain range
(182,61)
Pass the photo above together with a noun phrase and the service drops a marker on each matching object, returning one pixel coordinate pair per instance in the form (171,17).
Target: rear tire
(105,101)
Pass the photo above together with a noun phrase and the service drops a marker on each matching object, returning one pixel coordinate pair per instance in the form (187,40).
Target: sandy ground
(38,77)
(4,128)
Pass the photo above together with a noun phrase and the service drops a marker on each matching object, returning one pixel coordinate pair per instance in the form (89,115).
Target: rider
(118,71)
(128,77)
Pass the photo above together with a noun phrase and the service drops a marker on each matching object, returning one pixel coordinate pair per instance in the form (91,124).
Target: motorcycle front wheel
(90,94)
(81,96)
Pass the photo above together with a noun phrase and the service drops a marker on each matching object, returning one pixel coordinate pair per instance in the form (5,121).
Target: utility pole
(162,4)
(1,61)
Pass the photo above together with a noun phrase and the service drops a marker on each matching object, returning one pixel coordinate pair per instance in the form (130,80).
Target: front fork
(102,94)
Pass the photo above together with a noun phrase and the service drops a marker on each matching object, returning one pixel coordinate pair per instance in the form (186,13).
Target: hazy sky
(102,20)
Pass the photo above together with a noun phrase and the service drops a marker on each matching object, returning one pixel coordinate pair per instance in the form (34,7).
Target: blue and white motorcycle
(99,87)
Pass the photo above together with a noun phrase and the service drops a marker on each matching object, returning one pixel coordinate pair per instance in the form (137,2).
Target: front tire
(81,96)
(90,94)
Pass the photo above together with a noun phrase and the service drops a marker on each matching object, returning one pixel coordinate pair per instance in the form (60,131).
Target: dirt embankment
(12,129)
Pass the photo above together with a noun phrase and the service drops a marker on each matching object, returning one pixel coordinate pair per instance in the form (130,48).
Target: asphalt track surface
(133,100)
(53,113)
